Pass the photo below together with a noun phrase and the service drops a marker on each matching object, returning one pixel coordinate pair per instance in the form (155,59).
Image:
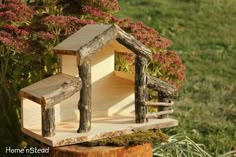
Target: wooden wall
(112,92)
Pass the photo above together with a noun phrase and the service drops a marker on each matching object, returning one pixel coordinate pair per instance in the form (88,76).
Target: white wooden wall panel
(31,113)
(112,92)
(69,65)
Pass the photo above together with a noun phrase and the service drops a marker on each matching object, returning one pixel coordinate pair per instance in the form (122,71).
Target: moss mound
(136,138)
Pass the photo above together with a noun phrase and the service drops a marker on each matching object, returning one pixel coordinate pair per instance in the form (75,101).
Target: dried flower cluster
(169,65)
(97,14)
(11,43)
(14,33)
(14,30)
(45,35)
(110,6)
(13,15)
(146,35)
(15,11)
(65,25)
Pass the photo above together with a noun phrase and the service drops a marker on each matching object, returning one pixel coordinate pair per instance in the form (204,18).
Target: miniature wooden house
(89,99)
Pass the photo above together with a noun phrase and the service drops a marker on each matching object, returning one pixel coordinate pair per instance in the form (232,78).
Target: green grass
(204,35)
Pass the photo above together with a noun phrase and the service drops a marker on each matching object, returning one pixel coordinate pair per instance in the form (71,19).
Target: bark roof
(89,39)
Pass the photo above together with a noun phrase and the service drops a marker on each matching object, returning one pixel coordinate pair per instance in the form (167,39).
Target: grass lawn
(204,35)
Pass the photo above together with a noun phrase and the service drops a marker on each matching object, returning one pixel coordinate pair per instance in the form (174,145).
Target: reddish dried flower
(109,6)
(15,11)
(139,30)
(145,34)
(15,30)
(11,43)
(45,35)
(66,24)
(170,66)
(167,62)
(97,13)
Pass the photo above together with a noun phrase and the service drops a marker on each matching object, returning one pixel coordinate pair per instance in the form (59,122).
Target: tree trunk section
(140,80)
(48,122)
(162,98)
(85,97)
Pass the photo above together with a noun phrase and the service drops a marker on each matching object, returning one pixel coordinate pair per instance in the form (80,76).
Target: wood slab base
(101,128)
(144,150)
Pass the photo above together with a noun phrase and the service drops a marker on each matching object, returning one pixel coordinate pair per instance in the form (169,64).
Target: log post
(48,122)
(85,97)
(163,98)
(140,81)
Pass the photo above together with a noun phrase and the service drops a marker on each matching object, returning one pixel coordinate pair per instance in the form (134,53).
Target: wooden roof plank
(52,90)
(99,41)
(91,38)
(80,38)
(133,44)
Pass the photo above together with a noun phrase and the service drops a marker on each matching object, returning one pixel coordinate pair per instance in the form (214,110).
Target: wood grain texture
(143,150)
(76,41)
(91,38)
(140,80)
(124,75)
(85,97)
(48,122)
(52,90)
(98,42)
(103,127)
(133,44)
(159,85)
(66,89)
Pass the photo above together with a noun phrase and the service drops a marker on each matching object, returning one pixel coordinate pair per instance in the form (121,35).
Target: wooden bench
(47,93)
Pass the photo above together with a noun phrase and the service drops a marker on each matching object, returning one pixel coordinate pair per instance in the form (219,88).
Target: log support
(48,122)
(163,98)
(140,81)
(85,97)
(160,85)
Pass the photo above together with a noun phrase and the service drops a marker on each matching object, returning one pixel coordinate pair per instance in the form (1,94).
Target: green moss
(136,138)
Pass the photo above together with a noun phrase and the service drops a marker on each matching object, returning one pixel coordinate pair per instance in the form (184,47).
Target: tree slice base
(66,132)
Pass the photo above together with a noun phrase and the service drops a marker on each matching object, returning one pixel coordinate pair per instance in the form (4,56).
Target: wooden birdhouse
(90,100)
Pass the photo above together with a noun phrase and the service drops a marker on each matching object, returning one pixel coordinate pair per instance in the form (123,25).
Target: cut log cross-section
(85,97)
(140,80)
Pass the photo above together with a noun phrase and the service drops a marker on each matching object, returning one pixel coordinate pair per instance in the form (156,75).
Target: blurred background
(203,33)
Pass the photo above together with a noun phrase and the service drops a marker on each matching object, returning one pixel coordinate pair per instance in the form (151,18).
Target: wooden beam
(70,86)
(159,85)
(140,80)
(159,113)
(48,122)
(133,44)
(84,45)
(52,90)
(167,104)
(85,97)
(97,43)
